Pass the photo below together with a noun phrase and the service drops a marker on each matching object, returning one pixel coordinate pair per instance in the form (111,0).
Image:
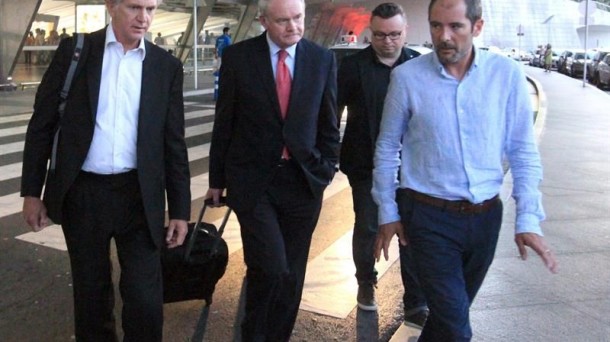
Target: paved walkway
(521,301)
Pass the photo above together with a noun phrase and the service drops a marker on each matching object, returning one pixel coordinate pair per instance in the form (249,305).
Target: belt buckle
(469,208)
(283,162)
(462,208)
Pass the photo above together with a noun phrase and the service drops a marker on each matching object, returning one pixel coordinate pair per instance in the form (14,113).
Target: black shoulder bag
(50,197)
(80,39)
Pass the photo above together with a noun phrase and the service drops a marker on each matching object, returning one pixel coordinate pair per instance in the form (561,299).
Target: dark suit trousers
(98,208)
(276,235)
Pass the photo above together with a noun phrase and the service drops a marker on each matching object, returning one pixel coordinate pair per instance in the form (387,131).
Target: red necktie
(282,86)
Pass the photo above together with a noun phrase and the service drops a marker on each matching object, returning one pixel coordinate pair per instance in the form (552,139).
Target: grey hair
(116,2)
(264,4)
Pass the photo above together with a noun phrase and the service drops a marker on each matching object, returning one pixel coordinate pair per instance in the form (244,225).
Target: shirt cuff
(388,213)
(528,223)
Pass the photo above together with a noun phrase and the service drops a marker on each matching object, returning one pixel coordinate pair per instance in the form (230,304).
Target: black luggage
(192,270)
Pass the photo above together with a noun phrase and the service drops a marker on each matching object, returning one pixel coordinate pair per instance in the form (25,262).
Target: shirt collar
(477,57)
(274,49)
(111,39)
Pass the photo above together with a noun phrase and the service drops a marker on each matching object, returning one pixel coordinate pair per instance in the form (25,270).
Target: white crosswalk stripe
(13,131)
(338,287)
(14,118)
(12,147)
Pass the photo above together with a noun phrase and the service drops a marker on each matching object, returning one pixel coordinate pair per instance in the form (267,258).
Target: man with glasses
(274,148)
(363,80)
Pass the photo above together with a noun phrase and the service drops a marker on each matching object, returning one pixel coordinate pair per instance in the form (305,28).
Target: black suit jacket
(162,160)
(362,89)
(249,133)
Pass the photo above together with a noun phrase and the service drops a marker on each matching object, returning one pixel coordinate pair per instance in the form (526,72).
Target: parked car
(518,55)
(420,48)
(535,61)
(598,56)
(575,64)
(561,60)
(602,75)
(555,58)
(491,48)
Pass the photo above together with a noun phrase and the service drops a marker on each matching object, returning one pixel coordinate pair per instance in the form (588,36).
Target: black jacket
(249,133)
(362,86)
(162,160)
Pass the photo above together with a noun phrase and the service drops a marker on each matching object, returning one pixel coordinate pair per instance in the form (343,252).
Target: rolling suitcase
(192,270)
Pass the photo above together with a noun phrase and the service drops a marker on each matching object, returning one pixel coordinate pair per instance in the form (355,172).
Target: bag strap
(80,39)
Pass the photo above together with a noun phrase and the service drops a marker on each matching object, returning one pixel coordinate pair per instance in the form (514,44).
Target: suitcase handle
(222,201)
(217,234)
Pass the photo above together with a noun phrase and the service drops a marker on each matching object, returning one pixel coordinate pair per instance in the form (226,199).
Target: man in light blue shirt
(449,119)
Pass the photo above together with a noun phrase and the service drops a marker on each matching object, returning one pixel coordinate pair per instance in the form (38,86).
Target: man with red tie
(274,149)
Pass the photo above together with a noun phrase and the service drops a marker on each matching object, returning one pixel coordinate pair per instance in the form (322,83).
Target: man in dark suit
(363,80)
(121,151)
(275,156)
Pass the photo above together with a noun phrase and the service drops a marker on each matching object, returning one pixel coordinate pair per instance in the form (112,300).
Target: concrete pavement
(522,301)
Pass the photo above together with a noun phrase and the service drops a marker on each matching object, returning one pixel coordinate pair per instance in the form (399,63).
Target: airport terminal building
(192,25)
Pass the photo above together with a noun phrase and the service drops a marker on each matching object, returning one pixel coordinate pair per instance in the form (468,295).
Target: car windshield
(581,55)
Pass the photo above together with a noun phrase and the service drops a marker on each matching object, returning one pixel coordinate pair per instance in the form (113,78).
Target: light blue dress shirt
(453,136)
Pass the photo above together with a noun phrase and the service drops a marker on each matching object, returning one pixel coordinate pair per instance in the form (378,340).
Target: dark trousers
(363,245)
(97,209)
(452,254)
(276,236)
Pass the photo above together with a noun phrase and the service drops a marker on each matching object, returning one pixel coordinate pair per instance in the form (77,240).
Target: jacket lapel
(147,88)
(262,64)
(302,66)
(94,68)
(367,77)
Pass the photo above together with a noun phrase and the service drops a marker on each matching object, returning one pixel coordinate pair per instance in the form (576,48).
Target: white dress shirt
(114,146)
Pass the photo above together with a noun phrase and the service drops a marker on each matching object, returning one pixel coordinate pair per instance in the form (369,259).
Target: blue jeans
(363,244)
(452,253)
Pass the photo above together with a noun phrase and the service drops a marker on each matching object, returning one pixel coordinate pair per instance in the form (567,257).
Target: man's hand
(384,236)
(176,232)
(35,213)
(215,195)
(536,242)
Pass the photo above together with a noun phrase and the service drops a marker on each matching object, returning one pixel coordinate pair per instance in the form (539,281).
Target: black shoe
(366,297)
(417,319)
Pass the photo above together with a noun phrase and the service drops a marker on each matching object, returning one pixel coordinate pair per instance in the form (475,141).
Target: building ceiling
(170,19)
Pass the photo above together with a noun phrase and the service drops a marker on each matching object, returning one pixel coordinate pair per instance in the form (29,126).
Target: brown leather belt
(460,206)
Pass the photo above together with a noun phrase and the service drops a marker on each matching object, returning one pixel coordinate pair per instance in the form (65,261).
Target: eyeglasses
(382,36)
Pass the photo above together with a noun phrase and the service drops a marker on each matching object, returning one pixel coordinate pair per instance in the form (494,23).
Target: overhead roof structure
(556,21)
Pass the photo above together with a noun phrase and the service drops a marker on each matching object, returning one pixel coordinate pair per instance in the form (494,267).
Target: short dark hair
(474,10)
(387,10)
(225,30)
